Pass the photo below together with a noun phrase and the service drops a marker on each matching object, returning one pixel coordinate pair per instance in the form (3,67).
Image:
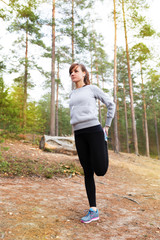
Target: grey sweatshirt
(83,109)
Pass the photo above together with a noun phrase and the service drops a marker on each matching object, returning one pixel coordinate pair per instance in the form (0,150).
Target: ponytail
(86,78)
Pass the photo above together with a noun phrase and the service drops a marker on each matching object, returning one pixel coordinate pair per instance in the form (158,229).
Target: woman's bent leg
(99,153)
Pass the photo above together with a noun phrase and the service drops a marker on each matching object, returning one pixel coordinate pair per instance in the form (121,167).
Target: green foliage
(15,110)
(3,93)
(5,105)
(2,14)
(44,108)
(74,16)
(4,165)
(26,23)
(153,86)
(64,121)
(140,52)
(146,31)
(35,121)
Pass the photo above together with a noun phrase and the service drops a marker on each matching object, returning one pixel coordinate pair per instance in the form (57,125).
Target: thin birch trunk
(130,86)
(91,79)
(73,37)
(145,116)
(126,118)
(57,95)
(99,103)
(52,123)
(25,82)
(156,131)
(116,141)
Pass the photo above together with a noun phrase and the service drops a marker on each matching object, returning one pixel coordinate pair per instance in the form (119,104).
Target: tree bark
(91,79)
(156,131)
(130,86)
(52,121)
(57,95)
(72,37)
(99,103)
(145,116)
(116,141)
(65,145)
(126,118)
(25,82)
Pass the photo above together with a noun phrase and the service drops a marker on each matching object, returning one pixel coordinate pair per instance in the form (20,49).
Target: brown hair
(83,68)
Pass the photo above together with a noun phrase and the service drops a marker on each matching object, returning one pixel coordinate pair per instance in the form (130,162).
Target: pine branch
(4,2)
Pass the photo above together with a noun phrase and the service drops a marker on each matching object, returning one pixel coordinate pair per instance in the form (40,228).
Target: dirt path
(128,198)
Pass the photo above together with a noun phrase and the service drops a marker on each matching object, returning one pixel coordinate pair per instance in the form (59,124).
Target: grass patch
(1,140)
(18,167)
(5,148)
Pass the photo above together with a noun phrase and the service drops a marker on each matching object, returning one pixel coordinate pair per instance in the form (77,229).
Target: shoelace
(90,213)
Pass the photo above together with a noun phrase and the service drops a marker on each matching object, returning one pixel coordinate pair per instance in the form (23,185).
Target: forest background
(39,41)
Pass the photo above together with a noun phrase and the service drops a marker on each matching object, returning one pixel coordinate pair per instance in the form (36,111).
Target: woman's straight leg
(83,151)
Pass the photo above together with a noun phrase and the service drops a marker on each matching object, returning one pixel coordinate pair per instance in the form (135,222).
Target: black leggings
(93,155)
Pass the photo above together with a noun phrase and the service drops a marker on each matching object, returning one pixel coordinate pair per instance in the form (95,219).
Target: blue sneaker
(91,216)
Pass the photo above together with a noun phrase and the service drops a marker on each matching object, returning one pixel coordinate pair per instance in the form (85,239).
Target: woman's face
(77,74)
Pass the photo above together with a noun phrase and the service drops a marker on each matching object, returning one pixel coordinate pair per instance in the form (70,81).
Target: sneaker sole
(93,219)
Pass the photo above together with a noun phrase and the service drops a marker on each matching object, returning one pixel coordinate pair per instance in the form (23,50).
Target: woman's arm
(108,101)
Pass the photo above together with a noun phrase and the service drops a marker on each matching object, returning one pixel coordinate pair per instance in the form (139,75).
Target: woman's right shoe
(91,216)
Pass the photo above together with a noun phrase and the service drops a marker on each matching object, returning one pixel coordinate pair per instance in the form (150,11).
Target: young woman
(89,135)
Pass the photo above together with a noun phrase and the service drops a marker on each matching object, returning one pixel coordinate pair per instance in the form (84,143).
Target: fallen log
(56,144)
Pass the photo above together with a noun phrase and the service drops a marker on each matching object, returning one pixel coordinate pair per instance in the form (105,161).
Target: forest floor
(37,208)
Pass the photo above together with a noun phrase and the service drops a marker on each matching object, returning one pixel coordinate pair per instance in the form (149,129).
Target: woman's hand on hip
(106,129)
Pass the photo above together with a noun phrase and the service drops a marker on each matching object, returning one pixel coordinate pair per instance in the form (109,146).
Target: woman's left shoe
(91,216)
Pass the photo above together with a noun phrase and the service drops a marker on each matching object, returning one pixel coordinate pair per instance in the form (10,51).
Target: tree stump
(56,144)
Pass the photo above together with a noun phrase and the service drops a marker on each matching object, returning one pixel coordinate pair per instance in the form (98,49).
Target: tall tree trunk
(126,118)
(118,122)
(130,86)
(145,115)
(91,79)
(52,123)
(156,131)
(25,82)
(57,95)
(73,37)
(116,141)
(99,103)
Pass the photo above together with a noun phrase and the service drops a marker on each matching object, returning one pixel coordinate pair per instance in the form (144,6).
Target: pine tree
(153,88)
(26,22)
(123,96)
(74,18)
(140,54)
(130,84)
(52,122)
